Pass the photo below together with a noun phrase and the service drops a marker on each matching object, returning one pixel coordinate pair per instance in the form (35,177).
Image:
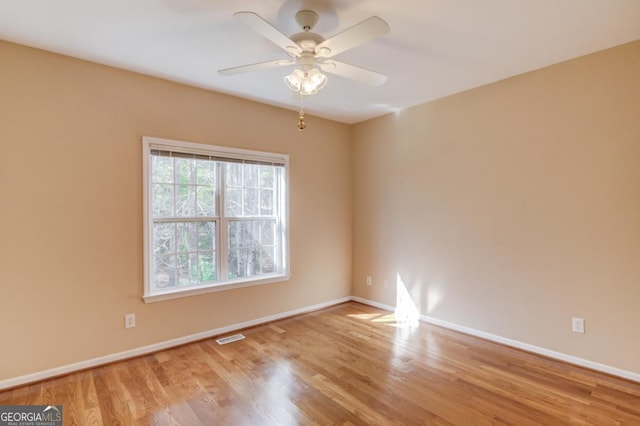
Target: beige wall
(509,208)
(71,207)
(513,207)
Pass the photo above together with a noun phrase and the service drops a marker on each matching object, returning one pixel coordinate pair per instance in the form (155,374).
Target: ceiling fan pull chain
(301,124)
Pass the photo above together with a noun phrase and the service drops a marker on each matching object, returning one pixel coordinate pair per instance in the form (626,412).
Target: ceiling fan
(311,52)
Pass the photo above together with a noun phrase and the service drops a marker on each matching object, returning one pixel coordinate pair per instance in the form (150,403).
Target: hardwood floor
(347,365)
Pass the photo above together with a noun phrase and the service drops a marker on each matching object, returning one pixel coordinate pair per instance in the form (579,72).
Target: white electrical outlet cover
(577,325)
(130,321)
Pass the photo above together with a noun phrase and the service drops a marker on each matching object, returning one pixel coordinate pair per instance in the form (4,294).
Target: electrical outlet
(386,284)
(369,280)
(130,321)
(577,325)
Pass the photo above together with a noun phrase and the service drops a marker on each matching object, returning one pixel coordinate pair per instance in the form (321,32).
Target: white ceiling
(435,47)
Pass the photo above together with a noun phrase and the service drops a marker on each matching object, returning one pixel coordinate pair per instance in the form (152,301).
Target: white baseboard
(83,365)
(614,371)
(373,303)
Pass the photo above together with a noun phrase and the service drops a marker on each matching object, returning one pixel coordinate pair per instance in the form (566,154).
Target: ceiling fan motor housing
(307,40)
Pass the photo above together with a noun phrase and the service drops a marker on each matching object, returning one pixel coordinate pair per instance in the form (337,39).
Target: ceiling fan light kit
(306,82)
(310,51)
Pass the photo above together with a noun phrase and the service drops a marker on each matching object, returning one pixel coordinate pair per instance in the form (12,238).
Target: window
(215,218)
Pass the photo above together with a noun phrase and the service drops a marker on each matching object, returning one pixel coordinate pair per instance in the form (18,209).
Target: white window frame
(150,143)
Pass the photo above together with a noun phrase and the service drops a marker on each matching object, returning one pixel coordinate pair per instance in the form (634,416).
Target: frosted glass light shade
(306,82)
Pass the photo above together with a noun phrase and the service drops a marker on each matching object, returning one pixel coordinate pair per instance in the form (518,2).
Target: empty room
(297,212)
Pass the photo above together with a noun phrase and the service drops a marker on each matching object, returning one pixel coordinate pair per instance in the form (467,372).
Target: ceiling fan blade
(354,73)
(365,31)
(255,67)
(268,31)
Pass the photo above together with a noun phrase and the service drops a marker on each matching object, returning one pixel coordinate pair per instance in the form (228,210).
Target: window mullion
(222,234)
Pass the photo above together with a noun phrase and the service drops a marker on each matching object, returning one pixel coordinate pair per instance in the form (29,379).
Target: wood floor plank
(346,365)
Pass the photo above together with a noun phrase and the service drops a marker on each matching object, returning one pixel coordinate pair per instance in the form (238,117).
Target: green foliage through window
(213,220)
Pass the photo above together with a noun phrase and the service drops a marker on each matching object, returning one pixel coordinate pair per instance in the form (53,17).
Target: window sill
(227,285)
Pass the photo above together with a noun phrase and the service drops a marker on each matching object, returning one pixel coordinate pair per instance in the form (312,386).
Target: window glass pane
(164,240)
(205,202)
(185,170)
(267,232)
(251,247)
(206,236)
(207,267)
(250,233)
(267,178)
(234,202)
(266,265)
(250,201)
(161,169)
(239,253)
(186,237)
(250,175)
(242,264)
(266,202)
(164,271)
(232,264)
(234,174)
(235,239)
(185,201)
(162,200)
(253,195)
(187,269)
(205,172)
(193,268)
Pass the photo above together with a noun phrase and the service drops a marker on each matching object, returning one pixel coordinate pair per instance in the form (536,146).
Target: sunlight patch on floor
(364,316)
(386,319)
